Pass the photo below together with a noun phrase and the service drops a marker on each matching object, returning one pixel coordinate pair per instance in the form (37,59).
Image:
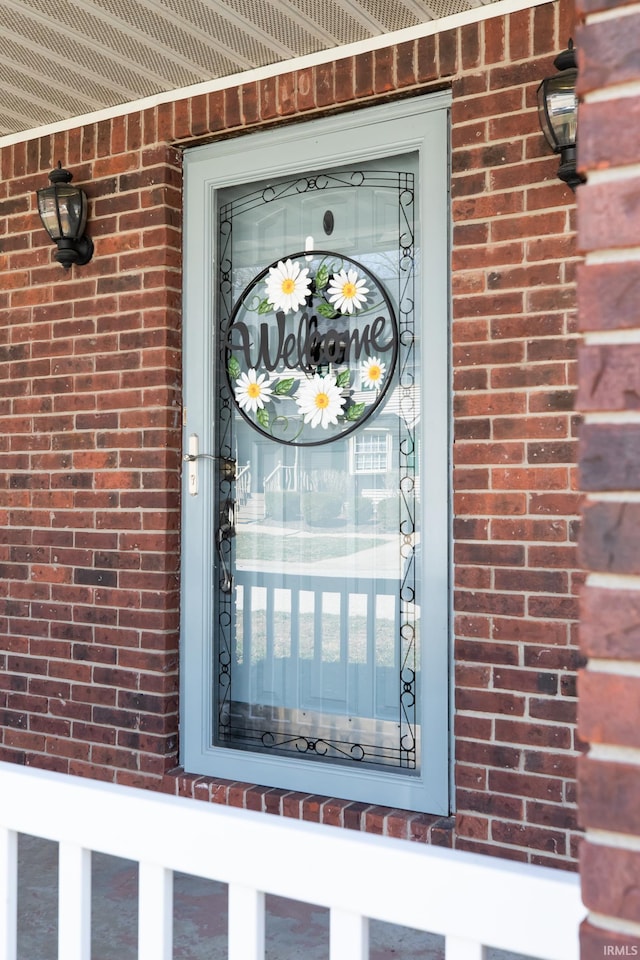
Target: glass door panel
(318,463)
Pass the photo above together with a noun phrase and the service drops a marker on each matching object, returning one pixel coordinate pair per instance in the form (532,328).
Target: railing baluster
(343,601)
(74,902)
(317,677)
(294,607)
(8,893)
(368,694)
(458,949)
(246,923)
(295,691)
(247,640)
(271,681)
(155,912)
(348,936)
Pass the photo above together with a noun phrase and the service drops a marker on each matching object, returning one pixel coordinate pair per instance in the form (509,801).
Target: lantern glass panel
(558,109)
(63,211)
(48,211)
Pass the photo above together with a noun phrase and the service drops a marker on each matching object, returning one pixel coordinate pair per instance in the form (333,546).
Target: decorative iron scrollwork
(230,728)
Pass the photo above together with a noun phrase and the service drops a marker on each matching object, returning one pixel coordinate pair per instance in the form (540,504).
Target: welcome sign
(311,348)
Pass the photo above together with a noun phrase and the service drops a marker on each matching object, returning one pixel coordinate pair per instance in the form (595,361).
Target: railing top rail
(275,470)
(381,586)
(439,890)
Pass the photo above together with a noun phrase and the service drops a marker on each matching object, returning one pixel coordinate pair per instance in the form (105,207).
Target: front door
(311,476)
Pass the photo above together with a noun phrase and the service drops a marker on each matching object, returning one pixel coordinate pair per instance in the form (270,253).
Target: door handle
(225,532)
(227,468)
(227,524)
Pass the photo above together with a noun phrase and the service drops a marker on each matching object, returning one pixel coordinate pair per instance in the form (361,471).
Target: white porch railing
(282,477)
(469,899)
(243,484)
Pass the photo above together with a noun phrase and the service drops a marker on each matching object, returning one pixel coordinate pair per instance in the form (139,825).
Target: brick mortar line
(614,925)
(611,338)
(603,256)
(613,581)
(569,752)
(613,838)
(530,851)
(617,13)
(548,544)
(614,175)
(473,271)
(527,391)
(559,804)
(522,593)
(555,671)
(606,753)
(615,496)
(601,665)
(523,719)
(622,91)
(571,337)
(99,664)
(527,516)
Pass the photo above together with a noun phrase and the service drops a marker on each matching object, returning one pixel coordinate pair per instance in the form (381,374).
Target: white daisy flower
(346,292)
(320,400)
(372,372)
(287,286)
(252,392)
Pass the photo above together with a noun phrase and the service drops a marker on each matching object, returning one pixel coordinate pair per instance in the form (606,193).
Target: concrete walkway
(294,931)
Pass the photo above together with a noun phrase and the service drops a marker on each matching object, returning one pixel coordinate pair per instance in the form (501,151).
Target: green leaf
(343,379)
(265,307)
(326,310)
(322,277)
(262,416)
(284,386)
(355,411)
(233,368)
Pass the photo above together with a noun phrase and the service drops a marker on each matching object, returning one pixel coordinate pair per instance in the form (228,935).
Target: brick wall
(90,449)
(609,310)
(515,500)
(90,446)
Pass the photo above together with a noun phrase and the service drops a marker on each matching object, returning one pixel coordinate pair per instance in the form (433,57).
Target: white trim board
(499,8)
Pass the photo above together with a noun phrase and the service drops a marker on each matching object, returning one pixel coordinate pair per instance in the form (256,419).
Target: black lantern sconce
(558,114)
(63,211)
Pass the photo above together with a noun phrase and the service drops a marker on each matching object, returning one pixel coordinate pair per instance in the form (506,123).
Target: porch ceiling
(73,57)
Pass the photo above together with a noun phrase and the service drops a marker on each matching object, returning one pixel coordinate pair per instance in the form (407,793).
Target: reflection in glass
(317,652)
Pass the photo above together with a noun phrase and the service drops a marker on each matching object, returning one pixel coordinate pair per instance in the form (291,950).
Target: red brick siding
(515,499)
(90,450)
(609,458)
(91,443)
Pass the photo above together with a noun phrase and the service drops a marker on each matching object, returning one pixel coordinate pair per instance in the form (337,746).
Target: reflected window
(371,451)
